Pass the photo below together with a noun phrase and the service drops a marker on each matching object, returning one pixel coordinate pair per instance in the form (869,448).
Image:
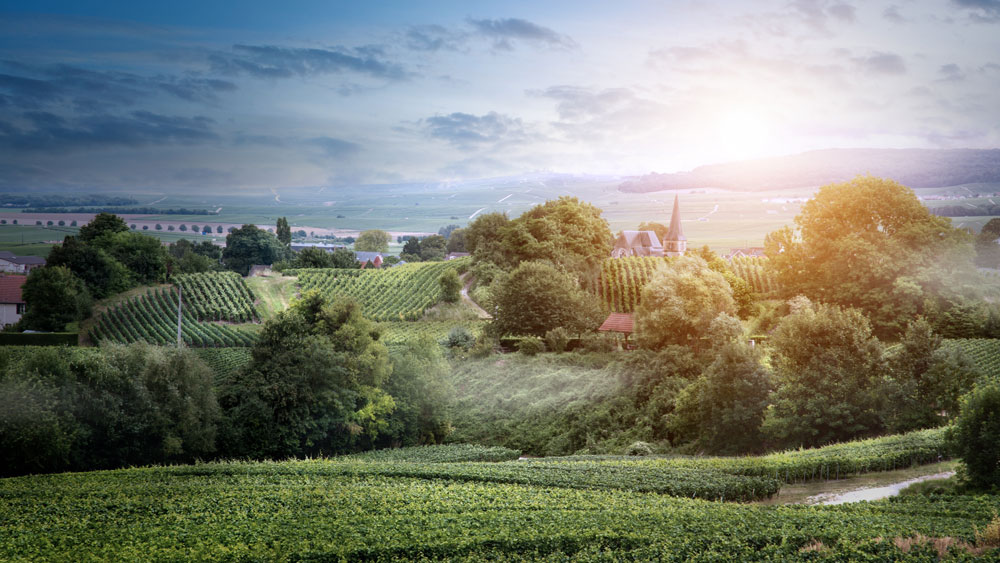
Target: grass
(274,293)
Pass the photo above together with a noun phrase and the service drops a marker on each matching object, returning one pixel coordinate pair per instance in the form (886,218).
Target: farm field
(371,509)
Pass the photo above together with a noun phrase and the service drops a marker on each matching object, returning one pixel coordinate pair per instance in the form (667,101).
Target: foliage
(249,245)
(975,436)
(755,271)
(872,245)
(531,346)
(557,339)
(987,249)
(722,410)
(433,248)
(55,297)
(451,286)
(622,280)
(537,297)
(460,337)
(679,303)
(81,409)
(984,353)
(419,387)
(218,296)
(100,272)
(283,231)
(639,448)
(374,240)
(456,241)
(314,385)
(440,454)
(828,368)
(102,225)
(398,293)
(152,317)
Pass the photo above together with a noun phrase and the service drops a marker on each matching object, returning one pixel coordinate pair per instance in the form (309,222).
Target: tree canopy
(871,244)
(55,297)
(537,298)
(374,240)
(249,245)
(283,231)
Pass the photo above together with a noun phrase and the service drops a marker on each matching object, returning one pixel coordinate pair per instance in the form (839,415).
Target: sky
(255,95)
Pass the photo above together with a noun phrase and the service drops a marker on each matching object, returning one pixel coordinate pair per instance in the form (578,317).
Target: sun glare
(742,134)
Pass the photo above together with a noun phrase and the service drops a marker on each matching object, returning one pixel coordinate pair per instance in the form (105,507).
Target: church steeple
(675,243)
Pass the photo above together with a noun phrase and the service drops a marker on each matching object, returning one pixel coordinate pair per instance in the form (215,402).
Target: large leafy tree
(249,245)
(828,370)
(975,437)
(55,297)
(537,297)
(679,303)
(283,231)
(374,240)
(870,244)
(103,224)
(419,386)
(433,248)
(313,385)
(101,272)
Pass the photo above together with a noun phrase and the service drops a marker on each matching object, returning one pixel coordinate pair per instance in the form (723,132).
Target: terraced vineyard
(985,352)
(400,293)
(152,317)
(218,296)
(754,270)
(400,332)
(622,280)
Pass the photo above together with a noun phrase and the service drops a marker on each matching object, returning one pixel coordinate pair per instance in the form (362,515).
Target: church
(646,243)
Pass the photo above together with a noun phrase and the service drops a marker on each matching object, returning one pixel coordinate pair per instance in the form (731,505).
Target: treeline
(35,200)
(123,210)
(966,210)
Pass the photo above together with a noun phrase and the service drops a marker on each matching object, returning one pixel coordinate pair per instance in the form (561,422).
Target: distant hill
(916,168)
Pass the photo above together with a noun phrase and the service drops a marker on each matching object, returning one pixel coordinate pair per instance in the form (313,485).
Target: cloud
(504,32)
(49,132)
(272,61)
(892,14)
(842,12)
(336,148)
(195,89)
(882,63)
(581,103)
(434,38)
(465,130)
(980,10)
(951,73)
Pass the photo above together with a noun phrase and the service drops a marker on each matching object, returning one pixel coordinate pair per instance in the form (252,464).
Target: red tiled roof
(10,289)
(618,322)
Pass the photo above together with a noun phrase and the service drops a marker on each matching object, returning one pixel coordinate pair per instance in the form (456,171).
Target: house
(646,243)
(13,264)
(750,251)
(376,258)
(11,303)
(299,246)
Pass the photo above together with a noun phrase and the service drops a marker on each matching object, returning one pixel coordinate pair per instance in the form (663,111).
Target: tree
(987,249)
(103,224)
(419,387)
(101,273)
(432,248)
(679,303)
(483,239)
(143,255)
(183,227)
(659,228)
(313,258)
(872,245)
(374,240)
(54,297)
(343,258)
(828,370)
(975,436)
(206,230)
(411,249)
(446,231)
(218,229)
(451,286)
(313,385)
(284,231)
(249,245)
(456,241)
(537,298)
(722,410)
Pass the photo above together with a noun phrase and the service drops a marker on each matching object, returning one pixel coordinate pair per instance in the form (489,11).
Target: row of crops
(984,352)
(224,362)
(152,317)
(314,510)
(622,280)
(754,270)
(217,296)
(400,293)
(396,333)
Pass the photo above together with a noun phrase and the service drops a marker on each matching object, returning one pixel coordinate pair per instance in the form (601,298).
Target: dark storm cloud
(336,148)
(49,132)
(882,63)
(466,130)
(980,10)
(504,32)
(272,61)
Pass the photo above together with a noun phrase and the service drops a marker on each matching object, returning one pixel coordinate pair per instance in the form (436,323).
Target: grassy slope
(274,293)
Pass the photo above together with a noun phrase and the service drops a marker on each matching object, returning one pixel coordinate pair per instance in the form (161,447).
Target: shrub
(460,337)
(557,339)
(639,449)
(598,342)
(975,437)
(486,345)
(531,346)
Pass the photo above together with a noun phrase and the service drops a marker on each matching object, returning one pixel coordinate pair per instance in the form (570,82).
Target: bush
(598,342)
(531,346)
(557,339)
(460,337)
(639,449)
(486,345)
(975,437)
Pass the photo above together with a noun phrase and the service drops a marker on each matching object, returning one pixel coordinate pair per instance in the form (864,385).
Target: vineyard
(352,510)
(754,270)
(622,280)
(224,362)
(400,293)
(152,317)
(396,333)
(984,352)
(217,296)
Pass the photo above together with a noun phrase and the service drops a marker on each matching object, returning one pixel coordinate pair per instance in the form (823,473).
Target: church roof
(675,232)
(641,238)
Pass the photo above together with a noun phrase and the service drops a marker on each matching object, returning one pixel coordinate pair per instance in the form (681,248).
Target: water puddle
(872,493)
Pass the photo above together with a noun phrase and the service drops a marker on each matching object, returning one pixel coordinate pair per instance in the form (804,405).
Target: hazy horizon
(196,95)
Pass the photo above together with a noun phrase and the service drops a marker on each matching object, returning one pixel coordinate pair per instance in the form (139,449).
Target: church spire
(675,243)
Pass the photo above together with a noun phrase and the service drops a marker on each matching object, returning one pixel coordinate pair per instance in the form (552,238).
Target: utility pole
(180,341)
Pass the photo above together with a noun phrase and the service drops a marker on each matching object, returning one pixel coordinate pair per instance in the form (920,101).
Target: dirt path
(867,486)
(467,282)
